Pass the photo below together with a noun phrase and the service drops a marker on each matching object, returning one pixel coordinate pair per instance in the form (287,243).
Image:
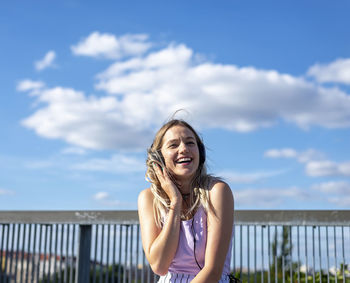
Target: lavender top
(184,260)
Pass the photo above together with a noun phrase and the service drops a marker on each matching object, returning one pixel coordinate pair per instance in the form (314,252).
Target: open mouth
(184,160)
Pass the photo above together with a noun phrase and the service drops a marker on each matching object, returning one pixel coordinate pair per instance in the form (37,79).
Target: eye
(172,145)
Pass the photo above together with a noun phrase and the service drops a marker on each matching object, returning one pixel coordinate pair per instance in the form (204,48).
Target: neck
(185,187)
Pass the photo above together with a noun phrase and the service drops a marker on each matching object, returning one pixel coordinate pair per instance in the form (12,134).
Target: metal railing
(105,246)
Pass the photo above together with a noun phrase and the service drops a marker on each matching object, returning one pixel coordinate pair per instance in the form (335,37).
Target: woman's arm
(219,223)
(160,245)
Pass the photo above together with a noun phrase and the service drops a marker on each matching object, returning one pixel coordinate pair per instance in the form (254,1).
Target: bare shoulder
(219,188)
(221,196)
(145,198)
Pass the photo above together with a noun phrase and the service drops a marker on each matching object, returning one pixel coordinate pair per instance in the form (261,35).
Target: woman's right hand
(168,184)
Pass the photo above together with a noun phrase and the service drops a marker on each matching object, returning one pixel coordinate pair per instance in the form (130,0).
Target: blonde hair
(199,194)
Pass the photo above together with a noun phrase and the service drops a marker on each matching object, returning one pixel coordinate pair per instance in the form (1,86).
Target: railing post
(83,266)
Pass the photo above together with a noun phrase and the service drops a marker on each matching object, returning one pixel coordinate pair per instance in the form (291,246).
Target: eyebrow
(175,140)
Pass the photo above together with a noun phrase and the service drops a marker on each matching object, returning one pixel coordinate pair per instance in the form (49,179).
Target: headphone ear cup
(201,153)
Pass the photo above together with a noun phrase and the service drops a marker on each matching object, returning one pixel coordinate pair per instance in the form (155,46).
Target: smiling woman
(187,214)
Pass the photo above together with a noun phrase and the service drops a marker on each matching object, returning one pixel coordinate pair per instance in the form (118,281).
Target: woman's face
(180,152)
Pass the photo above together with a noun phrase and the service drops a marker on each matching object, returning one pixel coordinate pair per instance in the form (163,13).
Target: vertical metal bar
(29,254)
(84,250)
(55,261)
(298,244)
(2,246)
(107,262)
(72,256)
(283,270)
(269,255)
(313,254)
(131,253)
(17,249)
(306,257)
(327,246)
(262,253)
(66,259)
(248,252)
(149,273)
(3,251)
(114,250)
(95,256)
(241,250)
(342,241)
(6,274)
(61,252)
(275,255)
(319,252)
(23,245)
(33,254)
(120,252)
(45,252)
(335,253)
(101,256)
(255,254)
(234,248)
(39,254)
(290,254)
(12,247)
(126,253)
(50,255)
(137,252)
(143,267)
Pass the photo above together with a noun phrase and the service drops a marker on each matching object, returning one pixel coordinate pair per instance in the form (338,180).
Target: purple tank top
(185,259)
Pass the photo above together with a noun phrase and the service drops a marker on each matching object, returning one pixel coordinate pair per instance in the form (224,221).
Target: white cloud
(248,178)
(108,46)
(338,192)
(4,192)
(337,71)
(339,187)
(316,165)
(303,156)
(281,153)
(89,122)
(30,85)
(116,164)
(46,62)
(341,201)
(101,196)
(144,91)
(327,168)
(241,99)
(106,199)
(39,164)
(310,155)
(74,150)
(269,198)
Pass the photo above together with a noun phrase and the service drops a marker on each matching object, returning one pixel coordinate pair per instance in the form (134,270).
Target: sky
(86,84)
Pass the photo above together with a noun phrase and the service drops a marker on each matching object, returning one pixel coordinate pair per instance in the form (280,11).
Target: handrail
(241,217)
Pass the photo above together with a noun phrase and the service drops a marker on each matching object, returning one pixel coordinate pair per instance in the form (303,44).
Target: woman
(186,216)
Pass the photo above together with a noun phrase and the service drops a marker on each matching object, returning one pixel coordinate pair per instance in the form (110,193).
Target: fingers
(167,181)
(157,169)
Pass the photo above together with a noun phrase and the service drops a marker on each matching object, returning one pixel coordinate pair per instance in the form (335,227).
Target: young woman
(186,215)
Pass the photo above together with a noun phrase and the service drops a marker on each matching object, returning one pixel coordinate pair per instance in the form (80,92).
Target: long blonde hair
(199,194)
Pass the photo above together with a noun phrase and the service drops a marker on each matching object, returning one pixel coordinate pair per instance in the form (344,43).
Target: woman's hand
(168,184)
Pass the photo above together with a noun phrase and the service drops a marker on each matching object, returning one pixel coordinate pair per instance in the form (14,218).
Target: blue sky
(85,85)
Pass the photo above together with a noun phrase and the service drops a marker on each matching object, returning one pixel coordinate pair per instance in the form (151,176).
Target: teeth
(185,159)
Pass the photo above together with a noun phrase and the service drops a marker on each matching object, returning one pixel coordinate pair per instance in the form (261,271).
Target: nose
(183,147)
